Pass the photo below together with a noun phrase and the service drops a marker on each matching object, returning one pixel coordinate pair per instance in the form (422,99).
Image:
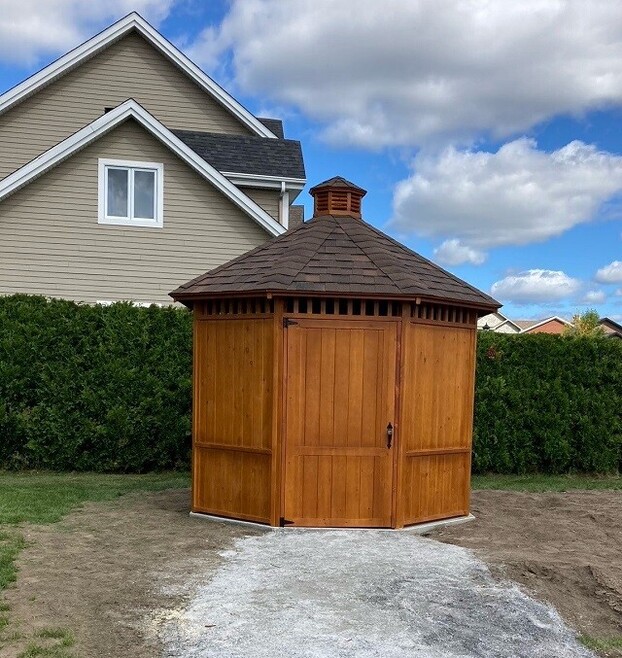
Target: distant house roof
(245,154)
(529,325)
(498,321)
(525,324)
(339,255)
(611,328)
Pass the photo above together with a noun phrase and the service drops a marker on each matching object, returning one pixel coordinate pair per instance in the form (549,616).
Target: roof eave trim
(116,31)
(182,295)
(252,180)
(105,123)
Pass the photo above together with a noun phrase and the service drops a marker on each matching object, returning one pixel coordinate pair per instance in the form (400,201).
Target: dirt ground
(565,548)
(101,570)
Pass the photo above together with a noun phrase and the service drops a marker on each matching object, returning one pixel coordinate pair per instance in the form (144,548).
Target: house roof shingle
(273,125)
(246,154)
(336,255)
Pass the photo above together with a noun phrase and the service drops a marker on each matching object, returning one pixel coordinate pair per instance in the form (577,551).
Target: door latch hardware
(389,435)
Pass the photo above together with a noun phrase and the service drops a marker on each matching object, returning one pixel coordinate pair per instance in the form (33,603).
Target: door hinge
(283,522)
(288,322)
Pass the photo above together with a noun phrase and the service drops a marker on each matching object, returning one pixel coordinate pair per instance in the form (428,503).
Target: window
(131,193)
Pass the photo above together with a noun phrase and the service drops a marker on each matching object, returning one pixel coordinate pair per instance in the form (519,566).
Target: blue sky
(487,135)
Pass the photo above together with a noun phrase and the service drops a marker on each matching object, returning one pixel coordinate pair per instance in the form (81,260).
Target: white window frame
(104,218)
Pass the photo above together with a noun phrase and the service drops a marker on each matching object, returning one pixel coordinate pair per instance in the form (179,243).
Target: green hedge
(102,388)
(547,403)
(108,388)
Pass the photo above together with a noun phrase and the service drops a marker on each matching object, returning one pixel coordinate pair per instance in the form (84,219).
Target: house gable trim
(133,110)
(117,30)
(541,322)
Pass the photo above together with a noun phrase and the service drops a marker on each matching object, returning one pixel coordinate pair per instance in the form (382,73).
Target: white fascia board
(508,321)
(114,32)
(257,180)
(133,110)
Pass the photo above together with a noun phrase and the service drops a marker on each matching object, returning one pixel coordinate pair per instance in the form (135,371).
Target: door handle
(389,435)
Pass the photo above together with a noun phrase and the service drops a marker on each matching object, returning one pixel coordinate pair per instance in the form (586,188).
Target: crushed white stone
(362,594)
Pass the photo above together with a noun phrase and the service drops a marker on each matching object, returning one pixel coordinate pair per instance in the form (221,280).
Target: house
(611,328)
(499,323)
(552,325)
(125,170)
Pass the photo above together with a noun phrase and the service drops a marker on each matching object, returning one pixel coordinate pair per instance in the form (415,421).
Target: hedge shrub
(102,388)
(108,388)
(547,403)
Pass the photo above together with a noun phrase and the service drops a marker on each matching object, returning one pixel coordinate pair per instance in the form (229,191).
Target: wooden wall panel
(232,483)
(436,487)
(436,424)
(233,402)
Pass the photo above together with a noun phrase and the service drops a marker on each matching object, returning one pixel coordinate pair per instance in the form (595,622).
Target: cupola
(337,196)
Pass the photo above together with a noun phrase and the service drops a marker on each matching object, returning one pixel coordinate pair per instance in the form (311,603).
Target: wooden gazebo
(333,378)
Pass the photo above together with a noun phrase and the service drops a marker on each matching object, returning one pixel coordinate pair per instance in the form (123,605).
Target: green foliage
(108,388)
(547,404)
(585,324)
(98,388)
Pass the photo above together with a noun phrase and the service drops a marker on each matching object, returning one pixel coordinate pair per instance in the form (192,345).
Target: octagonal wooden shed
(333,378)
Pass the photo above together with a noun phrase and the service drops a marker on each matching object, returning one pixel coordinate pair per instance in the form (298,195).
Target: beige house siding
(266,199)
(51,243)
(128,68)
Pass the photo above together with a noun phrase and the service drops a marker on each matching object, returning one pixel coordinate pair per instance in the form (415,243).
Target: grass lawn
(45,498)
(535,483)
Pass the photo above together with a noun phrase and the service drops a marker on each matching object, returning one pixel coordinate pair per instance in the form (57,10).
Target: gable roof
(335,255)
(133,110)
(611,327)
(528,325)
(245,154)
(503,320)
(133,22)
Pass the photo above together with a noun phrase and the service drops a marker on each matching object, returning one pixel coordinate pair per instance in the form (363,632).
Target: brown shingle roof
(337,256)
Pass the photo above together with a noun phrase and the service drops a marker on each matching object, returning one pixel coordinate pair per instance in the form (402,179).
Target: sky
(488,134)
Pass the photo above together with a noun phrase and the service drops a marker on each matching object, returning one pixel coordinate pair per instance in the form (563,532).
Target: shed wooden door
(339,398)
(436,421)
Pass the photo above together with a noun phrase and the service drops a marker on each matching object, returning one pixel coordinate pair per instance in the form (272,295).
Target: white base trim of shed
(418,529)
(422,528)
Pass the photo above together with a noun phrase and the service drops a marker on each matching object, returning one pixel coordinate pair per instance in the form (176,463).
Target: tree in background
(586,324)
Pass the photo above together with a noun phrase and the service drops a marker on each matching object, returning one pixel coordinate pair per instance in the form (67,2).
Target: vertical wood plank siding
(51,243)
(339,397)
(128,68)
(436,424)
(233,416)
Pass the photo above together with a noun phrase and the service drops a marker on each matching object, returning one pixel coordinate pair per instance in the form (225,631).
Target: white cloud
(611,273)
(30,29)
(618,292)
(453,252)
(404,72)
(515,196)
(594,297)
(535,287)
